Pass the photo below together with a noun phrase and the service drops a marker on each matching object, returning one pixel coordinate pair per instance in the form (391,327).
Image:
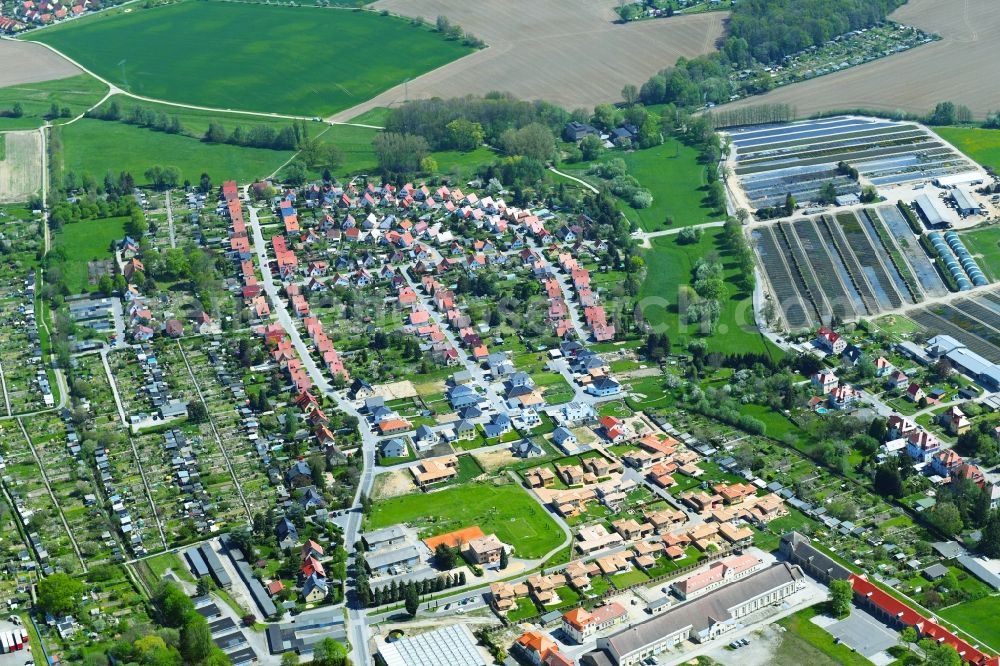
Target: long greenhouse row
(801,158)
(853,265)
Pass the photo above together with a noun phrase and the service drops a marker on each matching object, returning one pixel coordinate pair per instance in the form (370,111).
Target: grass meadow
(294,60)
(985,245)
(97,146)
(982,145)
(78,93)
(86,241)
(672,174)
(669,265)
(507,511)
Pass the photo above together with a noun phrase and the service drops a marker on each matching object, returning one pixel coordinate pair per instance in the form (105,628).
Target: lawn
(633,577)
(978,619)
(668,270)
(673,176)
(823,650)
(525,609)
(78,93)
(806,643)
(777,425)
(160,563)
(982,145)
(86,241)
(307,61)
(97,146)
(984,244)
(507,511)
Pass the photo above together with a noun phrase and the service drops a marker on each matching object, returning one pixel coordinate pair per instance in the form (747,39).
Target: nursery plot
(840,292)
(790,302)
(773,161)
(847,267)
(921,265)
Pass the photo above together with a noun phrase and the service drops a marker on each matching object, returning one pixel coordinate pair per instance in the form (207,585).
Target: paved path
(114,389)
(575,179)
(645,236)
(170,221)
(3,382)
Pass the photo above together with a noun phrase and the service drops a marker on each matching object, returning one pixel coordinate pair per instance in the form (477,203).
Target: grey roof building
(385,561)
(699,620)
(976,568)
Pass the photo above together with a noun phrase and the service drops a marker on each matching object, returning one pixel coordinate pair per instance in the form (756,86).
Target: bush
(611,169)
(624,186)
(642,199)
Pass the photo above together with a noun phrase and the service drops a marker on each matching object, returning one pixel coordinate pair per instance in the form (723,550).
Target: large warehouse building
(965,202)
(700,620)
(934,212)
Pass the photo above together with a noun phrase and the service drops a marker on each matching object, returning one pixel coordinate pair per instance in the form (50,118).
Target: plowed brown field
(960,68)
(569,52)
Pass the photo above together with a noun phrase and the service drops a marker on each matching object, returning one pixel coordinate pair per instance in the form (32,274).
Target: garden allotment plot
(773,161)
(846,266)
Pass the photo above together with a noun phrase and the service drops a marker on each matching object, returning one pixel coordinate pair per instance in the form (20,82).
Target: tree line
(494,114)
(769,30)
(764,31)
(289,137)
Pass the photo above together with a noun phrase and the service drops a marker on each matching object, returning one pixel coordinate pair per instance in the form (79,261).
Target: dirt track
(569,52)
(21,168)
(24,62)
(960,68)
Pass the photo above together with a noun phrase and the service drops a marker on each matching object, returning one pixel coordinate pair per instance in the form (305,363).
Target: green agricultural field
(982,145)
(376,116)
(668,270)
(89,240)
(978,619)
(507,511)
(984,244)
(97,146)
(296,60)
(77,93)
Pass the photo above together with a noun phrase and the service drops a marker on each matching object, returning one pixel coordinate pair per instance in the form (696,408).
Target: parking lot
(861,632)
(18,657)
